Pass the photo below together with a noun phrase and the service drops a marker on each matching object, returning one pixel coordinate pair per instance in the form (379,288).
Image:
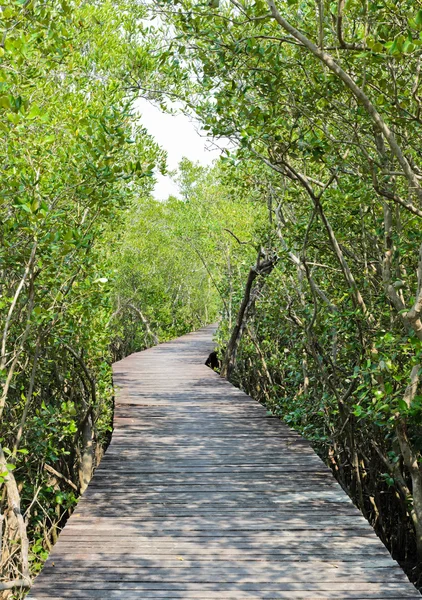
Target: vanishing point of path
(202,495)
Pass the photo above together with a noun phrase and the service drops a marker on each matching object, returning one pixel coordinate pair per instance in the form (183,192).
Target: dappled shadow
(201,495)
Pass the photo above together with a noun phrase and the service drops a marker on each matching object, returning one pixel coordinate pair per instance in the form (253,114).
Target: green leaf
(392,47)
(13,118)
(5,102)
(402,405)
(7,13)
(34,112)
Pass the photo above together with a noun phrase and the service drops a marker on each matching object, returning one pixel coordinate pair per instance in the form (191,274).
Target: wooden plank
(203,495)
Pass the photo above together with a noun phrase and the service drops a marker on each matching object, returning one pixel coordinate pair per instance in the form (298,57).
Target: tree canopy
(303,240)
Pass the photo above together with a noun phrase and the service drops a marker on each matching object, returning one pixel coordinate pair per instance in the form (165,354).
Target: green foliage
(333,343)
(70,142)
(173,258)
(93,268)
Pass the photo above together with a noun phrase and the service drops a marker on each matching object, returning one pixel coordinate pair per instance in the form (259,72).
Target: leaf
(5,102)
(402,405)
(13,118)
(393,47)
(34,112)
(388,388)
(7,13)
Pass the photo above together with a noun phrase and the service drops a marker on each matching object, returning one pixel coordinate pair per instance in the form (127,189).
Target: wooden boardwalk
(202,495)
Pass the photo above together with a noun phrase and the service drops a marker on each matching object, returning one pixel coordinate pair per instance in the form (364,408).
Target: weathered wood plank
(203,495)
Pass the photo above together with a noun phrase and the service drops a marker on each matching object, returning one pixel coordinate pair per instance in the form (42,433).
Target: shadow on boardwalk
(202,495)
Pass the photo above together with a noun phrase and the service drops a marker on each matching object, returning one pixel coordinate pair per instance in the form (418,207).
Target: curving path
(202,495)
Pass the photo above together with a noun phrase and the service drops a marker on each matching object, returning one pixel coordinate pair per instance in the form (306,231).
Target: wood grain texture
(203,496)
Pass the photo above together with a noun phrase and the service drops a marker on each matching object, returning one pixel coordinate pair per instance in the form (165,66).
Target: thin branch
(328,60)
(60,476)
(27,270)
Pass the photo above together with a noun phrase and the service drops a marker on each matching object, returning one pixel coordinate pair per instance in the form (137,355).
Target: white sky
(178,135)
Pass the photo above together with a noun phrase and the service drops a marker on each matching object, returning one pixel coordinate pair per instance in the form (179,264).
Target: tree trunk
(16,527)
(262,267)
(87,460)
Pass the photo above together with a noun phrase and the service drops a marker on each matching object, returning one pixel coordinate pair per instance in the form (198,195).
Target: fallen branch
(9,585)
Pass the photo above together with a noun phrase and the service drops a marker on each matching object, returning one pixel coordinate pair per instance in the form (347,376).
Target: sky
(179,136)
